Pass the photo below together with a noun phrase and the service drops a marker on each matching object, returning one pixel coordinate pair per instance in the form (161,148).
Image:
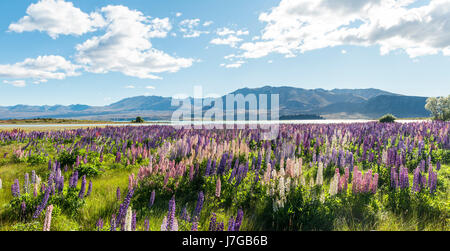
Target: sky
(97,52)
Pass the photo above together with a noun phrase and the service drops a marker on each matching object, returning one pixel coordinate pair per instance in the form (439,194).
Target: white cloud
(297,26)
(237,64)
(188,28)
(230,40)
(178,14)
(41,68)
(344,52)
(126,46)
(130,87)
(207,23)
(57,17)
(150,87)
(16,83)
(226,31)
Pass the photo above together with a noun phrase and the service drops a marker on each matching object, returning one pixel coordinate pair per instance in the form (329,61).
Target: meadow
(352,176)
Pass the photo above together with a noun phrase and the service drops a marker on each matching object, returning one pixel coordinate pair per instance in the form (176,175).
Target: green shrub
(388,118)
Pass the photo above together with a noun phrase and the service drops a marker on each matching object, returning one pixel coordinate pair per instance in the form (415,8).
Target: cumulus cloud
(126,46)
(189,28)
(57,17)
(16,83)
(41,68)
(297,26)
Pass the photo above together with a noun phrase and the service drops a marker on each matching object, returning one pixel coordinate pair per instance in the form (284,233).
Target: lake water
(331,121)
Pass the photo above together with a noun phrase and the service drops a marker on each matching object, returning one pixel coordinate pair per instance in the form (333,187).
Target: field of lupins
(360,176)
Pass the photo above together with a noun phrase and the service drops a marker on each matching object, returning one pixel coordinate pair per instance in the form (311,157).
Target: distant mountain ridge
(336,103)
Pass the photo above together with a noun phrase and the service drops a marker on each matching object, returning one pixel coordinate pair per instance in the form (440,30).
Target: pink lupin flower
(48,218)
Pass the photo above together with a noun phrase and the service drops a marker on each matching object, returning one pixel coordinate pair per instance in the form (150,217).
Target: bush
(388,118)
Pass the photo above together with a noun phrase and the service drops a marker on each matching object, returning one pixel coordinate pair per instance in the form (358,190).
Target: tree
(138,120)
(439,107)
(388,118)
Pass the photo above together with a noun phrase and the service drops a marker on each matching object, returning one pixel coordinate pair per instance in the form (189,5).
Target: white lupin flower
(281,189)
(0,183)
(319,178)
(128,219)
(164,224)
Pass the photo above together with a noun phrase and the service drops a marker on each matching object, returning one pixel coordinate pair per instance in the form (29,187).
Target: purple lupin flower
(99,224)
(82,188)
(152,199)
(44,201)
(133,221)
(438,166)
(89,189)
(124,207)
(198,208)
(147,225)
(212,222)
(194,226)
(171,214)
(23,208)
(15,188)
(118,193)
(239,218)
(231,224)
(417,180)
(220,226)
(113,222)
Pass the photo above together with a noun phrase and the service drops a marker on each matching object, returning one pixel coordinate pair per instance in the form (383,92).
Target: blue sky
(97,52)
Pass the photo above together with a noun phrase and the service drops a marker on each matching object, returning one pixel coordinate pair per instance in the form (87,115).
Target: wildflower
(147,225)
(417,180)
(128,219)
(198,208)
(23,208)
(1,184)
(15,188)
(133,222)
(218,187)
(99,224)
(152,199)
(194,226)
(48,218)
(319,177)
(212,222)
(118,193)
(238,222)
(89,189)
(83,187)
(231,223)
(171,214)
(113,222)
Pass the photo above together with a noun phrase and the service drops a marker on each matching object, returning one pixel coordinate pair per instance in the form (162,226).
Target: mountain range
(329,104)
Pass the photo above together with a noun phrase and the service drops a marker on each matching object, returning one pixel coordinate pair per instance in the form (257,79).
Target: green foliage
(439,107)
(68,159)
(388,118)
(90,170)
(37,159)
(28,226)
